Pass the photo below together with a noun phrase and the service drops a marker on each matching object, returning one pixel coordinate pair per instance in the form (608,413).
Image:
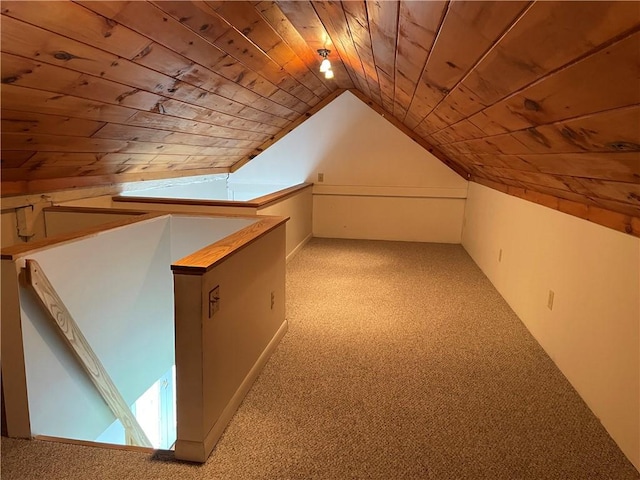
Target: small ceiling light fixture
(325,66)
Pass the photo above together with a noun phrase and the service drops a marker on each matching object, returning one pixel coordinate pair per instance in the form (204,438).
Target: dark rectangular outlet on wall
(214,300)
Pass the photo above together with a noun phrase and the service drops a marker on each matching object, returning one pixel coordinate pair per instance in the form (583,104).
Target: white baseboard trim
(199,451)
(295,251)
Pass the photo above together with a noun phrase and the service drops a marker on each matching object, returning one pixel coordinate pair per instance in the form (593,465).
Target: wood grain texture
(205,259)
(258,202)
(150,87)
(80,347)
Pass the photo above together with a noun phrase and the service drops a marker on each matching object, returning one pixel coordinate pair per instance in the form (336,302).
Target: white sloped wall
(377,183)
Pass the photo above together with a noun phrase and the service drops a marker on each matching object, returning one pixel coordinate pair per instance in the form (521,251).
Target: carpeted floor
(401,362)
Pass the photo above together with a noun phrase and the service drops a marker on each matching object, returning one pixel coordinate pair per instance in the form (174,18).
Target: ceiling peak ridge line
(443,18)
(495,44)
(525,129)
(339,45)
(352,45)
(356,66)
(375,80)
(213,45)
(313,71)
(395,55)
(435,151)
(258,47)
(309,27)
(603,46)
(366,12)
(371,21)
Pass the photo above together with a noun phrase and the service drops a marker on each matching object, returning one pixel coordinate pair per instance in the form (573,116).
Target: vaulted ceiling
(539,99)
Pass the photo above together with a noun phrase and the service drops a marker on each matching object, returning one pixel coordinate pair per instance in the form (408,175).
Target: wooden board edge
(88,443)
(621,222)
(14,251)
(200,262)
(265,200)
(72,209)
(30,187)
(185,201)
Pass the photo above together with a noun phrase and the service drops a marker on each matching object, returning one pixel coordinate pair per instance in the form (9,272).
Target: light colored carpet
(401,361)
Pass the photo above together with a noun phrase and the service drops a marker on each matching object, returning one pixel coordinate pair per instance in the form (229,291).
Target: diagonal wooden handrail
(78,344)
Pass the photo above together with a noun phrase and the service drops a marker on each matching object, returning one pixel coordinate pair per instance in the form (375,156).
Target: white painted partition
(387,213)
(592,332)
(221,350)
(118,286)
(371,181)
(292,202)
(298,208)
(66,220)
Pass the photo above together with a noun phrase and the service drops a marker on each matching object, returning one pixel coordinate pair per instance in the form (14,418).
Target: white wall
(63,222)
(593,331)
(9,226)
(411,219)
(118,286)
(299,208)
(352,145)
(355,148)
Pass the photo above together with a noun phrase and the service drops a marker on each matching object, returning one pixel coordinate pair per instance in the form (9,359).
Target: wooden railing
(258,202)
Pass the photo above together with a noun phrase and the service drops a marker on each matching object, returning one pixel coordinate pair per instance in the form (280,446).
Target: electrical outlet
(320,177)
(550,300)
(500,256)
(214,300)
(273,299)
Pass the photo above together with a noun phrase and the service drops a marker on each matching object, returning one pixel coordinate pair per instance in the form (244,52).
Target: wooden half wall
(226,329)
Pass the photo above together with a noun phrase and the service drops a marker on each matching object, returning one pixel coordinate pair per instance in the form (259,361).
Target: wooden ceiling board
(532,51)
(535,46)
(609,131)
(383,28)
(356,16)
(334,21)
(467,32)
(418,25)
(291,38)
(248,21)
(26,122)
(538,99)
(303,18)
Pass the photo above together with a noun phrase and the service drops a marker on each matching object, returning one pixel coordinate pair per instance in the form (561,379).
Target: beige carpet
(401,361)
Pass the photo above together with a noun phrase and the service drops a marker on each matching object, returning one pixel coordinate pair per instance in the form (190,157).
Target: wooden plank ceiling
(540,99)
